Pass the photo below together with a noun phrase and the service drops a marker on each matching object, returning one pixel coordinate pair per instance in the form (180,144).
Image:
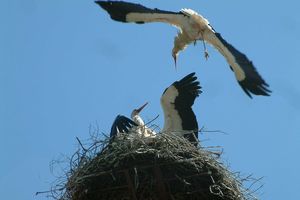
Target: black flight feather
(253,82)
(121,124)
(188,90)
(119,9)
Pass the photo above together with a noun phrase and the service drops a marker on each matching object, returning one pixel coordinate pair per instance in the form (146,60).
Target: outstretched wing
(177,101)
(121,124)
(137,13)
(244,70)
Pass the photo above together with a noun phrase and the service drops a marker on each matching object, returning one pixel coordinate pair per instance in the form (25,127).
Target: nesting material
(164,167)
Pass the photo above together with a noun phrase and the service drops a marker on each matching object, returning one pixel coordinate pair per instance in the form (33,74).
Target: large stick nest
(164,167)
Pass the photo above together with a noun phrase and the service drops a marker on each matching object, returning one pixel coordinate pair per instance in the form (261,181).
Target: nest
(164,167)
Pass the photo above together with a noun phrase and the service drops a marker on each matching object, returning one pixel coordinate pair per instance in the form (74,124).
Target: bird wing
(177,101)
(137,13)
(188,89)
(121,124)
(244,70)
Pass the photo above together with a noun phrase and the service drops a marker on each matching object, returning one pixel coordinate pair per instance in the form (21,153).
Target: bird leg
(195,42)
(206,55)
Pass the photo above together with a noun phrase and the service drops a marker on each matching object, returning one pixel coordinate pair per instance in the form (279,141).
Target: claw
(206,55)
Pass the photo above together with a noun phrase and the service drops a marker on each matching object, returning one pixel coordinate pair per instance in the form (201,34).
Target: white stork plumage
(177,101)
(142,128)
(136,124)
(179,119)
(192,27)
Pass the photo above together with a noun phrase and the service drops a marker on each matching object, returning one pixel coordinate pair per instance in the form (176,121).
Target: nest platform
(161,168)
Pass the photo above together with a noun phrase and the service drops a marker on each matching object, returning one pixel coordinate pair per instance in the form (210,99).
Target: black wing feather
(119,9)
(253,83)
(121,124)
(188,90)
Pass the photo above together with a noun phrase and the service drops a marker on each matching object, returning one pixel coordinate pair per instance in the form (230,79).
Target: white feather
(172,120)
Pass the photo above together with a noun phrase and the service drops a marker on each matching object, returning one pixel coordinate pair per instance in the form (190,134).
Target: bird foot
(206,55)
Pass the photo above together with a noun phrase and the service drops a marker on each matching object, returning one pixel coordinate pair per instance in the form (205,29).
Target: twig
(84,149)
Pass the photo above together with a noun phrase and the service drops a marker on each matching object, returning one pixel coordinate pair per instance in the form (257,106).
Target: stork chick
(142,128)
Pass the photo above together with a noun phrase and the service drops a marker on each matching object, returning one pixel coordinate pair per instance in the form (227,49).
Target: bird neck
(138,120)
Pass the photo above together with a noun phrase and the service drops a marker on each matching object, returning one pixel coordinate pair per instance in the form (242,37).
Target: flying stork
(177,101)
(192,27)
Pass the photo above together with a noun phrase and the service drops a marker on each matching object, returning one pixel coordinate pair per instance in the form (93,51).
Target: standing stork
(177,101)
(192,27)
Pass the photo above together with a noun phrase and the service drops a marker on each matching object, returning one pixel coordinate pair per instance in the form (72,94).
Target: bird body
(192,27)
(177,101)
(124,125)
(179,119)
(142,129)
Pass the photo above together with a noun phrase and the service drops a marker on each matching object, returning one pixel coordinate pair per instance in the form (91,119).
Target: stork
(177,101)
(136,124)
(143,129)
(192,27)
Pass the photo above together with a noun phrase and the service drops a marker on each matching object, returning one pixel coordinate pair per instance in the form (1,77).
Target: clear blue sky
(65,65)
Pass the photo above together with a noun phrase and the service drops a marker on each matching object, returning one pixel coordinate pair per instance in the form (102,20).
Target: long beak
(175,61)
(142,107)
(195,42)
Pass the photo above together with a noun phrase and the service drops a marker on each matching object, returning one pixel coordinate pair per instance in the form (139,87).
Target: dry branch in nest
(165,167)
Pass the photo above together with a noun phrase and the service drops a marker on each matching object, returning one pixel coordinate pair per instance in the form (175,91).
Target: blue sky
(65,65)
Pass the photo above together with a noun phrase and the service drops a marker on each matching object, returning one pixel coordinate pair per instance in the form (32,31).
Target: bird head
(138,110)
